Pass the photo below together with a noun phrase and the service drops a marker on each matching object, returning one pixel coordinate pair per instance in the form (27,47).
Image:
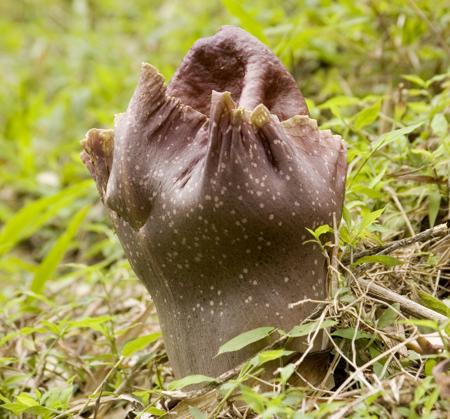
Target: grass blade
(50,263)
(33,216)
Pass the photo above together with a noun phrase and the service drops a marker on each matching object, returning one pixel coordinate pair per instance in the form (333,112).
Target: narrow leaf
(339,102)
(139,343)
(50,263)
(267,356)
(414,79)
(439,125)
(310,327)
(434,204)
(91,322)
(392,136)
(27,400)
(433,303)
(245,339)
(349,333)
(388,316)
(286,372)
(430,324)
(381,259)
(367,116)
(189,380)
(323,229)
(155,411)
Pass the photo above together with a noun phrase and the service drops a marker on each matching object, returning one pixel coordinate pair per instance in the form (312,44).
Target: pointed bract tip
(151,73)
(224,98)
(300,120)
(238,116)
(260,116)
(99,140)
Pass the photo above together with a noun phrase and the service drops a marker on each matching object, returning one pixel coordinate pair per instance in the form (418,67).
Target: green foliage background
(377,72)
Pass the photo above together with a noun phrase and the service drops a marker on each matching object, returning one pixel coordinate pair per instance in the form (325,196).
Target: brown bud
(211,183)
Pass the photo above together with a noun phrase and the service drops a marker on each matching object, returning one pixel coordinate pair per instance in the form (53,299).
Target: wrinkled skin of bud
(211,183)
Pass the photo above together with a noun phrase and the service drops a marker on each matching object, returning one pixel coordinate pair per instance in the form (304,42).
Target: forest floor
(79,335)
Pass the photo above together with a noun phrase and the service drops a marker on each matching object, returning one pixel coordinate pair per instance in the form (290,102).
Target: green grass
(79,333)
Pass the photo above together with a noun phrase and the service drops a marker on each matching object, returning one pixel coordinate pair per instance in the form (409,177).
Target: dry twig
(406,304)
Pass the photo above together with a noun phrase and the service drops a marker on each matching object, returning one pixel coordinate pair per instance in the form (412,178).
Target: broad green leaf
(196,413)
(439,125)
(447,329)
(7,360)
(370,192)
(255,401)
(39,412)
(414,79)
(91,322)
(367,116)
(429,365)
(58,397)
(55,328)
(340,102)
(388,316)
(27,400)
(336,103)
(347,217)
(434,204)
(381,259)
(368,218)
(40,297)
(378,368)
(189,380)
(245,339)
(27,330)
(349,333)
(266,356)
(437,78)
(323,229)
(286,372)
(418,93)
(16,408)
(6,338)
(310,327)
(33,216)
(50,263)
(430,399)
(433,303)
(430,324)
(4,399)
(139,343)
(155,411)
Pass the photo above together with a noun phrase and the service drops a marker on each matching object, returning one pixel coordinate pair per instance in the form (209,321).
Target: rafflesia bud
(211,183)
